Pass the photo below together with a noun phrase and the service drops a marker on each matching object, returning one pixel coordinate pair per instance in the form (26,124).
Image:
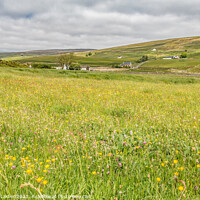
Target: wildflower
(70,161)
(10,164)
(23,148)
(45,171)
(46,166)
(44,182)
(166,162)
(120,164)
(14,158)
(53,160)
(198,166)
(181,168)
(29,171)
(13,167)
(144,142)
(100,154)
(180,188)
(41,163)
(162,164)
(176,173)
(47,161)
(158,179)
(94,173)
(110,154)
(39,180)
(124,143)
(175,161)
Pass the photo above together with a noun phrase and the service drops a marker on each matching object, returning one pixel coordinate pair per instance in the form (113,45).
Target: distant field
(102,135)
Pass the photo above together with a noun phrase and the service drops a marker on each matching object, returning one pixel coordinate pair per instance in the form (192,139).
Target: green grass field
(99,135)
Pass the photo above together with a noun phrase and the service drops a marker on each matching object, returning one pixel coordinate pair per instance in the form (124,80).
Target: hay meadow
(99,135)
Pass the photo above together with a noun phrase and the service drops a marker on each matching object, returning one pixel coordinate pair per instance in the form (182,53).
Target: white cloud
(27,24)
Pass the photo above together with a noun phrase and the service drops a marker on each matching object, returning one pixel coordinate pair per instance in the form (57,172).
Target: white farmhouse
(64,67)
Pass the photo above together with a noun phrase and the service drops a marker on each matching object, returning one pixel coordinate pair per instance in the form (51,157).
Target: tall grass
(105,139)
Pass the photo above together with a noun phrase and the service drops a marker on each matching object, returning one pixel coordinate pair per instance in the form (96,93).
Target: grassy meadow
(99,135)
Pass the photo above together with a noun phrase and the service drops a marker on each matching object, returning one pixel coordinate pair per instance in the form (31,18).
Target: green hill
(110,56)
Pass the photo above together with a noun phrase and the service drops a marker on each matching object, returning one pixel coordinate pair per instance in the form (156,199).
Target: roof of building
(127,63)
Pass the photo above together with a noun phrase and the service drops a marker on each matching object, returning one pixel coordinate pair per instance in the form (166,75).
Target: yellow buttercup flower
(176,173)
(29,171)
(44,182)
(181,188)
(94,173)
(39,180)
(175,161)
(158,179)
(46,166)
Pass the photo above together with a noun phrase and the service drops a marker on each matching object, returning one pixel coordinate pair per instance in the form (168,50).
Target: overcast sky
(51,24)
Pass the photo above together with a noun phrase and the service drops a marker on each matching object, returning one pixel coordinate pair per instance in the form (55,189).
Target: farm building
(171,57)
(126,64)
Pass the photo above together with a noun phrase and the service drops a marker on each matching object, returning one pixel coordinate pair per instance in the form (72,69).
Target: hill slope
(109,57)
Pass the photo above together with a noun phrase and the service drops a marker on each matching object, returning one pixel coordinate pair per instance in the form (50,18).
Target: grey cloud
(27,24)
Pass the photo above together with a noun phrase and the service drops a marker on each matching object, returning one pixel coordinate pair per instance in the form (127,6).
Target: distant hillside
(163,48)
(112,57)
(47,52)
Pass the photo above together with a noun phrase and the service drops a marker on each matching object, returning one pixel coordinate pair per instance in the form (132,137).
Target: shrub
(143,59)
(183,55)
(75,66)
(41,66)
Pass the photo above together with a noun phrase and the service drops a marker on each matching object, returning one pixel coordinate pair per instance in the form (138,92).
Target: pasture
(99,135)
